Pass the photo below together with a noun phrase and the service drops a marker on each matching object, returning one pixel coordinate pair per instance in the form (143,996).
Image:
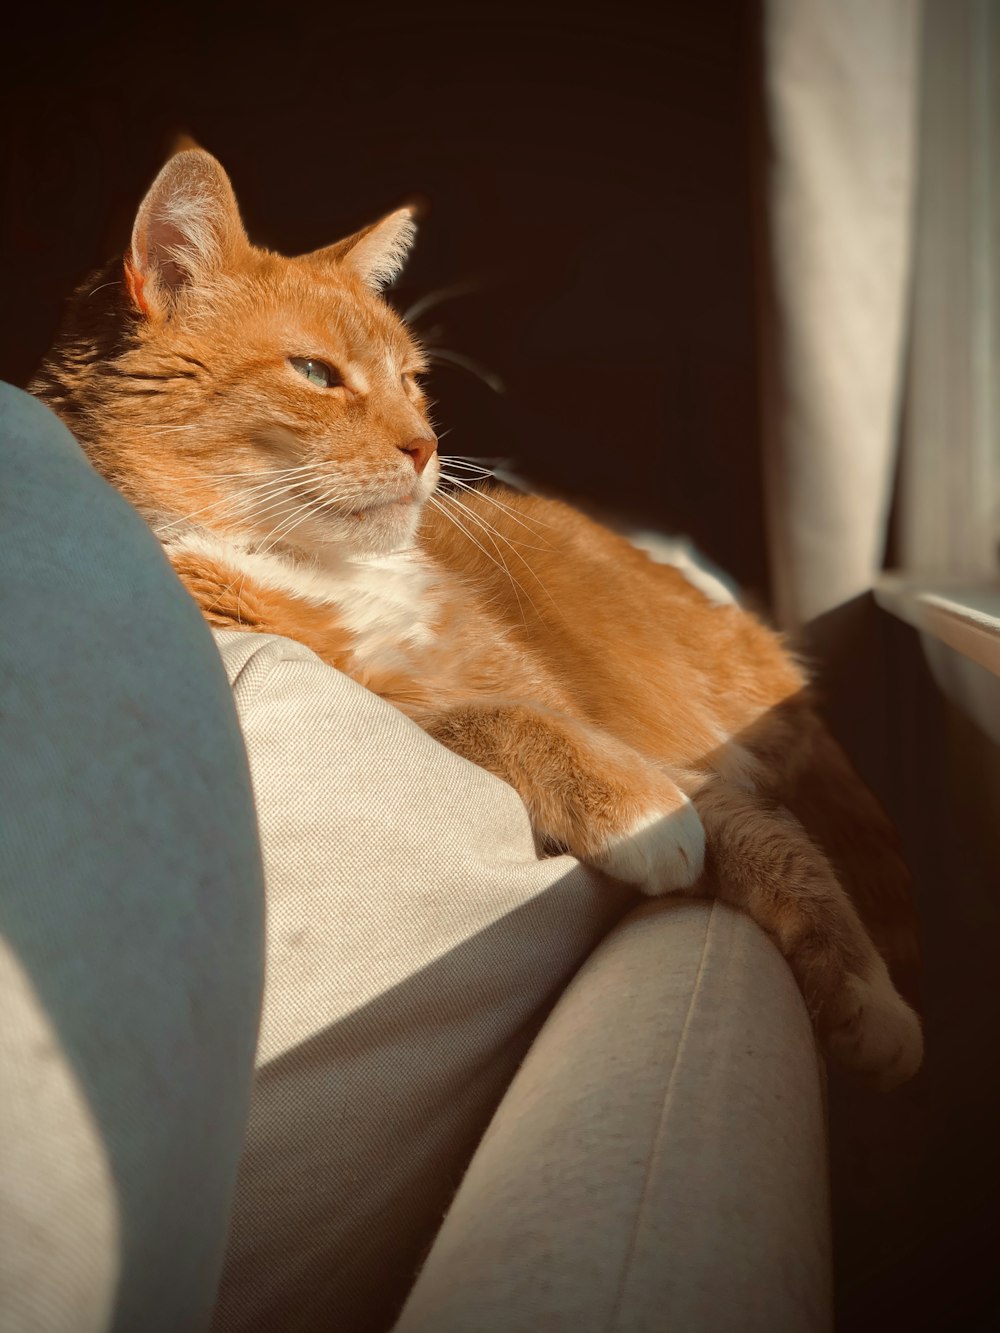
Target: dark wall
(589,168)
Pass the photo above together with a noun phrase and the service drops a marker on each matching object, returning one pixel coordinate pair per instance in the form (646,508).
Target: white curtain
(949,512)
(882,192)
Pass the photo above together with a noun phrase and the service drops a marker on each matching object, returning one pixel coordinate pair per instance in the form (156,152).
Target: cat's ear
(187,226)
(376,253)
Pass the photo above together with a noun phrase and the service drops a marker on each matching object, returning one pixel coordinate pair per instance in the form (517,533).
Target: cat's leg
(761,859)
(839,812)
(584,790)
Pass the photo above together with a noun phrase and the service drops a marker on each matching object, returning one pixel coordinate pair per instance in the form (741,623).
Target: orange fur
(265,416)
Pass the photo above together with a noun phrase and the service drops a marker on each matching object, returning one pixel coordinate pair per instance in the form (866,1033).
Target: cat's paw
(660,852)
(874,1032)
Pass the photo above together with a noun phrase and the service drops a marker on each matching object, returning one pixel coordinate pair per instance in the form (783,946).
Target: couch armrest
(659,1160)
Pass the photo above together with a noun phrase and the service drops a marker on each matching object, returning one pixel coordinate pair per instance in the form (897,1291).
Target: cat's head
(224,387)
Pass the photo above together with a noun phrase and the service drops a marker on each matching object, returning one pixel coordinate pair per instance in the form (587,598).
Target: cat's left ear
(187,227)
(376,253)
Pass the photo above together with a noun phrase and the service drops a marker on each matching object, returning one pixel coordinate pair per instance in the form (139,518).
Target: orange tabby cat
(265,416)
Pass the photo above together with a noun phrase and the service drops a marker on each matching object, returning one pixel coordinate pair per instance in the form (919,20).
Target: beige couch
(657,1162)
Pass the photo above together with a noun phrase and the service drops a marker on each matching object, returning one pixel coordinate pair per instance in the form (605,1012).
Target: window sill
(964,615)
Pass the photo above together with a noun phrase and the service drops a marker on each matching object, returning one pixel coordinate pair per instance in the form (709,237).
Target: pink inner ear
(156,241)
(150,260)
(187,224)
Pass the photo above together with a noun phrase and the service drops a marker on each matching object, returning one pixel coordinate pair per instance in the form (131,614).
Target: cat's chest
(387,604)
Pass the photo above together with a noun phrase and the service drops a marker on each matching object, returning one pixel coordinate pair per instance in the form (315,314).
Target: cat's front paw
(874,1033)
(661,851)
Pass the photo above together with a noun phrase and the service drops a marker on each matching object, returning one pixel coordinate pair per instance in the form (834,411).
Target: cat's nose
(421,451)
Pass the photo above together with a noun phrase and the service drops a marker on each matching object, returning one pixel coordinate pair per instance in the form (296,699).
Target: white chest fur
(384,601)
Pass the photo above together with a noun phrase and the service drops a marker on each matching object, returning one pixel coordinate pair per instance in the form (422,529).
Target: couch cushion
(415,942)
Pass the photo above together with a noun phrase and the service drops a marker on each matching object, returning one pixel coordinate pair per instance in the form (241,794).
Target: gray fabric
(130,910)
(659,1161)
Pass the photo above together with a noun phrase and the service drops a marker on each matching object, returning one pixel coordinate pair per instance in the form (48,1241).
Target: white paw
(663,850)
(880,1036)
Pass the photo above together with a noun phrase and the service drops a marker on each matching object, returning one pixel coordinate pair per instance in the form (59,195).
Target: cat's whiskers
(252,503)
(277,506)
(448,475)
(291,488)
(527,546)
(513,547)
(436,502)
(282,529)
(262,548)
(308,508)
(271,496)
(470,459)
(102,287)
(488,532)
(480,473)
(286,524)
(247,497)
(450,357)
(475,469)
(313,505)
(229,506)
(493,533)
(269,474)
(504,508)
(438,296)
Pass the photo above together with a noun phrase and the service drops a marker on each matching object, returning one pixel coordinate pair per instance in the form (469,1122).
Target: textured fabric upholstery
(659,1161)
(415,942)
(130,910)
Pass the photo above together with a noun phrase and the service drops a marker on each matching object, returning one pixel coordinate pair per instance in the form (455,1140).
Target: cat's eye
(316,372)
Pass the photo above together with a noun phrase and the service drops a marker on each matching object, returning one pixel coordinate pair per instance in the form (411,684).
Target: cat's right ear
(187,226)
(376,253)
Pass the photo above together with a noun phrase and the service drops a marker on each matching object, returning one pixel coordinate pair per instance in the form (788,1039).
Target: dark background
(589,168)
(594,174)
